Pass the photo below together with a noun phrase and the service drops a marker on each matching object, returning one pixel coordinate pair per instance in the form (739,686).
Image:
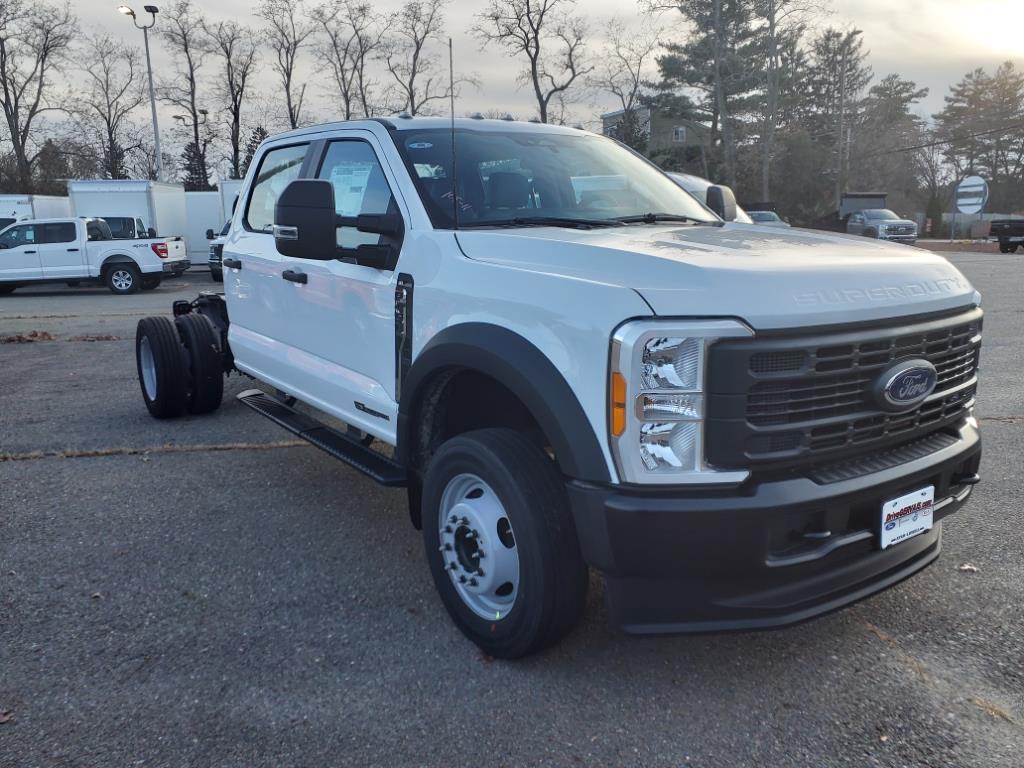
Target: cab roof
(400,123)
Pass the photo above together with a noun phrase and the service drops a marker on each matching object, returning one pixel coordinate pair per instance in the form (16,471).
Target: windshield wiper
(655,218)
(543,221)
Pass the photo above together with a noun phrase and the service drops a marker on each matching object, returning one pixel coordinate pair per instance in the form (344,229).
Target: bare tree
(550,37)
(287,33)
(236,46)
(34,38)
(414,68)
(353,33)
(621,74)
(112,92)
(184,32)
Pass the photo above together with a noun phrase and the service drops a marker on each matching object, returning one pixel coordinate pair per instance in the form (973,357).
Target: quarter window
(277,168)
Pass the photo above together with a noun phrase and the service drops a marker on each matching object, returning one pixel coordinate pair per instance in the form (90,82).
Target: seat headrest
(508,190)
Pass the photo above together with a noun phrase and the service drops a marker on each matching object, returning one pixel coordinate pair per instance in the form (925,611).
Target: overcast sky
(933,42)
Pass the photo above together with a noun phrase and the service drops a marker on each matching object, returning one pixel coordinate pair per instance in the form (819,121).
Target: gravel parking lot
(208,592)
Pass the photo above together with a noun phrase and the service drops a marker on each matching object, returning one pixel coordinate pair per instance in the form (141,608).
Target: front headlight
(657,400)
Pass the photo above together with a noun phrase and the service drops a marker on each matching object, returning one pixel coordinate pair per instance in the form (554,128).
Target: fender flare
(119,258)
(517,364)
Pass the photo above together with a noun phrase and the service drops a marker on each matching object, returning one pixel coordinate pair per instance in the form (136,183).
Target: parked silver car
(883,224)
(767,218)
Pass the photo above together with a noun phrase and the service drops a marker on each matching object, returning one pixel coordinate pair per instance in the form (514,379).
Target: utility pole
(152,10)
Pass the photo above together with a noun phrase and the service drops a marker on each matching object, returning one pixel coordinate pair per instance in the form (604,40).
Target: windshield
(521,178)
(880,213)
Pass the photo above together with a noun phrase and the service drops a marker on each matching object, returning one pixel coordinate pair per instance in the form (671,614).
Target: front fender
(527,372)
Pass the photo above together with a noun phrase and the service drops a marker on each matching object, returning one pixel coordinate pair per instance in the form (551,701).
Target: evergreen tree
(194,169)
(259,133)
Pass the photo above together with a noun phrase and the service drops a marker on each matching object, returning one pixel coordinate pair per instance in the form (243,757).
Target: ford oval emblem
(905,384)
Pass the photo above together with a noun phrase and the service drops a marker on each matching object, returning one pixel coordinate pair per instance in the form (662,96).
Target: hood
(769,277)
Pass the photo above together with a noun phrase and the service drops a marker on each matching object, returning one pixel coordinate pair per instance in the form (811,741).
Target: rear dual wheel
(179,365)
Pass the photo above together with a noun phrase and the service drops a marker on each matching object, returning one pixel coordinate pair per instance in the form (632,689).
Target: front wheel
(501,543)
(123,278)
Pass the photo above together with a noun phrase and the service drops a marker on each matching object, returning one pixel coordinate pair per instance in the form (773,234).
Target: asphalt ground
(207,592)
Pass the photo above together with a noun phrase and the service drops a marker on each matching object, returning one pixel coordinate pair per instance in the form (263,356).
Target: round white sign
(971,195)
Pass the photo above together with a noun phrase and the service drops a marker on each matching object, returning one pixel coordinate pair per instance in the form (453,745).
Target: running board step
(341,446)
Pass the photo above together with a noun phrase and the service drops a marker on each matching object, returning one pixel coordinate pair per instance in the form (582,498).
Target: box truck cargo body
(204,212)
(18,207)
(159,205)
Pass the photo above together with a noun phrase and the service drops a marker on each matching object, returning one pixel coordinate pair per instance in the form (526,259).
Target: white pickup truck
(571,362)
(77,250)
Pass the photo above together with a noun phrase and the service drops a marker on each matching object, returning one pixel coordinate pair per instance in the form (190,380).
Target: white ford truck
(570,362)
(79,250)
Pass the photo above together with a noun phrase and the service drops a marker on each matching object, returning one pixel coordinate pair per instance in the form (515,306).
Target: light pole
(152,10)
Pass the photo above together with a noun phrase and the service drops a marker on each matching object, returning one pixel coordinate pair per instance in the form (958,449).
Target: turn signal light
(618,404)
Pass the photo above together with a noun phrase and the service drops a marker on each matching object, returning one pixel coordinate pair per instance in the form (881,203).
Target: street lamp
(152,10)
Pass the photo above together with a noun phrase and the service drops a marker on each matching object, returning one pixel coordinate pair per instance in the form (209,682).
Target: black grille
(791,400)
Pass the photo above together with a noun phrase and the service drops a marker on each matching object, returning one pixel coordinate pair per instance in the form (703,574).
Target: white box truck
(204,212)
(20,207)
(160,205)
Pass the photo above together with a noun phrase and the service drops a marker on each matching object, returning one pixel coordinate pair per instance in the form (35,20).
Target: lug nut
(480,572)
(462,579)
(472,582)
(452,519)
(447,529)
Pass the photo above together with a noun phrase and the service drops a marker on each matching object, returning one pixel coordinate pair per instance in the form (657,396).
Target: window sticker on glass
(349,181)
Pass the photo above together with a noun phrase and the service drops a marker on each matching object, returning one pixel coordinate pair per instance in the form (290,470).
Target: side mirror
(304,220)
(722,201)
(209,234)
(387,224)
(150,232)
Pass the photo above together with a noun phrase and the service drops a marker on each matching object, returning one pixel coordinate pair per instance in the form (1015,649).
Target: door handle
(29,251)
(295,277)
(72,250)
(232,263)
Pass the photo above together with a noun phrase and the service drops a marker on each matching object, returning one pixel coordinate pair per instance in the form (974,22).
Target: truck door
(60,252)
(19,254)
(343,315)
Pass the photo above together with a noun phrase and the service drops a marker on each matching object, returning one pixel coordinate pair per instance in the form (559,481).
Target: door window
(360,187)
(24,235)
(277,168)
(62,232)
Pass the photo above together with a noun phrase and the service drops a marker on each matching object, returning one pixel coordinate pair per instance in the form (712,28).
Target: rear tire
(6,288)
(151,283)
(123,278)
(202,348)
(161,363)
(496,492)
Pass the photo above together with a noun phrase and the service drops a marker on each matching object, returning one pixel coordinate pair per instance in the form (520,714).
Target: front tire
(202,348)
(217,274)
(501,542)
(160,361)
(123,279)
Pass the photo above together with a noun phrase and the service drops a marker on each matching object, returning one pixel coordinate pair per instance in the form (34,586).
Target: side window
(24,235)
(62,232)
(359,187)
(277,168)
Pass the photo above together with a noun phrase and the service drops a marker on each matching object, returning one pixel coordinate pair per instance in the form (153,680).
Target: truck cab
(570,362)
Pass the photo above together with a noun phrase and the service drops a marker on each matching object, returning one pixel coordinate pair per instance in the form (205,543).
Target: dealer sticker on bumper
(907,516)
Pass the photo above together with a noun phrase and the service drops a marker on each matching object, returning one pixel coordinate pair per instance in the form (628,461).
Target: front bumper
(763,554)
(177,268)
